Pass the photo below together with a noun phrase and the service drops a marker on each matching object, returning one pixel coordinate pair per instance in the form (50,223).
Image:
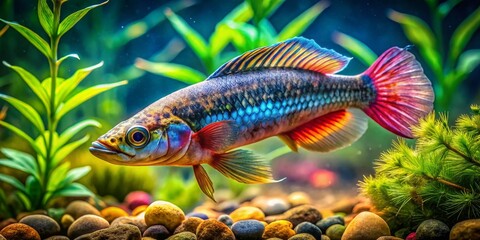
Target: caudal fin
(403,92)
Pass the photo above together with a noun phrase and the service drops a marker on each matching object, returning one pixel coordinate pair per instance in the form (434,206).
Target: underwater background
(131,37)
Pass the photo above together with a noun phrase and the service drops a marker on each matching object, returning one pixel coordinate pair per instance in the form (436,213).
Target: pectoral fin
(217,136)
(204,181)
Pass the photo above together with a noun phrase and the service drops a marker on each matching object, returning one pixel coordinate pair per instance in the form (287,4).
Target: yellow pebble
(164,213)
(247,213)
(279,229)
(111,213)
(139,210)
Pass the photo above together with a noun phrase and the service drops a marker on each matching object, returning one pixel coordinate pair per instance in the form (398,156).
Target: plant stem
(469,159)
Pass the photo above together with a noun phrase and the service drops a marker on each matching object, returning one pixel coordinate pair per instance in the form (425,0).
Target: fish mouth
(108,153)
(98,147)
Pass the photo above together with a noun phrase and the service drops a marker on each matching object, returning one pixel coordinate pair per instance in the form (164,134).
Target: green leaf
(263,8)
(85,95)
(59,61)
(464,33)
(63,152)
(467,62)
(445,7)
(72,190)
(175,71)
(355,47)
(298,25)
(33,83)
(192,37)
(32,37)
(73,18)
(242,13)
(21,134)
(33,188)
(14,182)
(14,165)
(75,129)
(24,199)
(67,86)
(21,157)
(75,174)
(26,110)
(58,175)
(45,15)
(243,35)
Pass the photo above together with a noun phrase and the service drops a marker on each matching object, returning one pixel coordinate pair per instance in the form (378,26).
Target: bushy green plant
(450,65)
(49,175)
(438,178)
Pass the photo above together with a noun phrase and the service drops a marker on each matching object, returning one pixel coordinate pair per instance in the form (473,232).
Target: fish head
(134,143)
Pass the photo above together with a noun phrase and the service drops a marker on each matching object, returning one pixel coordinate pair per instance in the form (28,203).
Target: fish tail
(402,94)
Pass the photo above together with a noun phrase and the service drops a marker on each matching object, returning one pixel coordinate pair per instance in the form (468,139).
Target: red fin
(289,142)
(204,181)
(331,131)
(217,136)
(295,53)
(403,92)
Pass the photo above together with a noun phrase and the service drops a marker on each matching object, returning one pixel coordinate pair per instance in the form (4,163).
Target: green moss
(438,178)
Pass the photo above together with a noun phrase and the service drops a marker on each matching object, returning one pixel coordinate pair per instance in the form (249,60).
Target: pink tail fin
(403,92)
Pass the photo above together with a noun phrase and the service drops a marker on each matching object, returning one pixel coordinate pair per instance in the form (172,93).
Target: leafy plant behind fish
(438,178)
(49,176)
(450,66)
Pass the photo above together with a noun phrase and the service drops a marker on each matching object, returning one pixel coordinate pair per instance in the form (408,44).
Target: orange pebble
(139,210)
(111,213)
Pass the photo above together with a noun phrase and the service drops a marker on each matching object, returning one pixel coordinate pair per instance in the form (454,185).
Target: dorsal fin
(295,53)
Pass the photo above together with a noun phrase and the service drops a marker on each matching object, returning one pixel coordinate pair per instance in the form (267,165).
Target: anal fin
(204,181)
(331,131)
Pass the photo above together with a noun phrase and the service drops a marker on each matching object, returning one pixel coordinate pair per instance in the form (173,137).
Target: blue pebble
(310,228)
(225,219)
(199,215)
(248,230)
(327,222)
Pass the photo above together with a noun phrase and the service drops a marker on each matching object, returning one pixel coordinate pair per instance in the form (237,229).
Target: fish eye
(138,136)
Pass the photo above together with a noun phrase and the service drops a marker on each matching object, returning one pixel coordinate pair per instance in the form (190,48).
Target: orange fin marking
(331,131)
(217,136)
(295,53)
(204,181)
(289,142)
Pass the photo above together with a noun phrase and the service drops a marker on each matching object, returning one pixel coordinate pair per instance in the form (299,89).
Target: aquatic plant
(450,65)
(438,178)
(49,175)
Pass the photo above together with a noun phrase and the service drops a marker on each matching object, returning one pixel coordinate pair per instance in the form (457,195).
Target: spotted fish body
(289,90)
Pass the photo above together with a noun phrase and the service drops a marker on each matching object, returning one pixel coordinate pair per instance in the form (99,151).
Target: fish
(290,90)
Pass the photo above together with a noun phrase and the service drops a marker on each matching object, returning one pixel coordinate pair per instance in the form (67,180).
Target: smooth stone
(335,232)
(183,236)
(212,229)
(468,229)
(432,229)
(325,237)
(36,212)
(248,229)
(226,219)
(111,213)
(20,231)
(227,207)
(112,233)
(3,238)
(299,198)
(66,221)
(303,213)
(139,209)
(58,237)
(327,222)
(44,225)
(366,226)
(310,228)
(157,231)
(274,206)
(79,208)
(164,213)
(86,224)
(279,229)
(389,238)
(198,215)
(137,198)
(247,213)
(135,221)
(303,236)
(189,225)
(7,222)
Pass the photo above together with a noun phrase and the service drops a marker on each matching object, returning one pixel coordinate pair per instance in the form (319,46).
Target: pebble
(67,220)
(325,237)
(299,198)
(303,236)
(226,219)
(227,206)
(327,222)
(164,213)
(362,207)
(183,236)
(280,229)
(137,198)
(248,229)
(189,225)
(135,221)
(44,225)
(335,232)
(366,226)
(157,232)
(468,229)
(432,229)
(7,222)
(3,238)
(198,215)
(19,231)
(79,208)
(116,232)
(86,224)
(58,237)
(247,213)
(139,209)
(389,238)
(310,228)
(274,206)
(111,213)
(303,213)
(212,229)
